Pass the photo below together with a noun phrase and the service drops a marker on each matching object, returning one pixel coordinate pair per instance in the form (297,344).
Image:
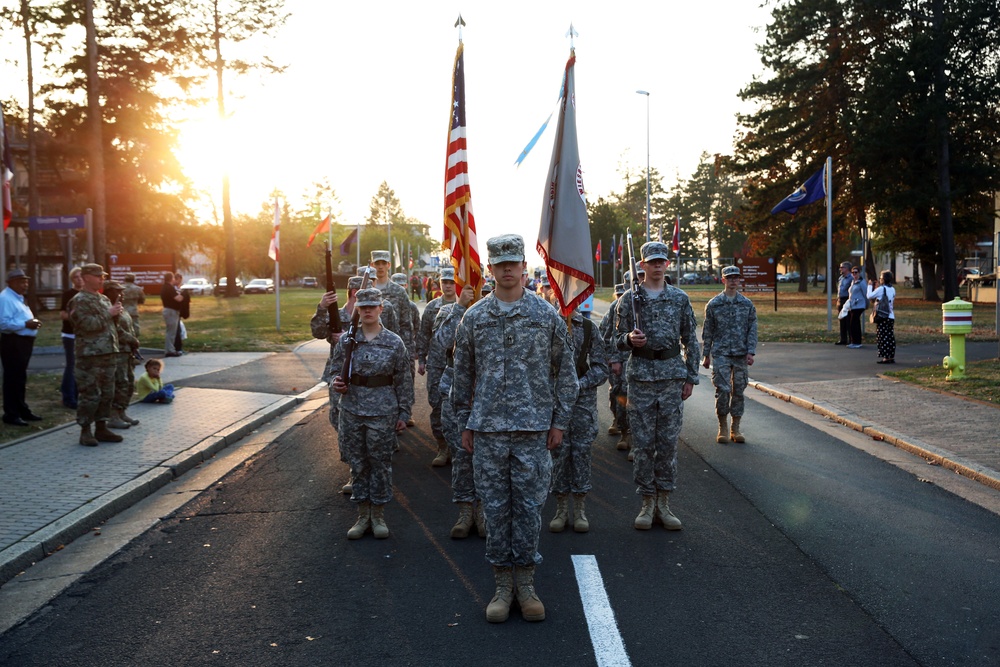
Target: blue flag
(812,190)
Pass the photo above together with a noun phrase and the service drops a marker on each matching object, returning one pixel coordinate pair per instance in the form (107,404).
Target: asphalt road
(798,549)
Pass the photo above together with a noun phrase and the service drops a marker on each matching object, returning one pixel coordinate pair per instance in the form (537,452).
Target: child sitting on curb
(150,387)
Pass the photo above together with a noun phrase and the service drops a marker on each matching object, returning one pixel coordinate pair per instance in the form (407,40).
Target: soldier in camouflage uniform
(659,380)
(128,345)
(132,297)
(617,388)
(572,460)
(373,407)
(441,354)
(510,410)
(433,371)
(730,334)
(96,343)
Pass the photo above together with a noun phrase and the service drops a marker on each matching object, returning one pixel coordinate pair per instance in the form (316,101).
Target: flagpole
(829,243)
(357,246)
(277,268)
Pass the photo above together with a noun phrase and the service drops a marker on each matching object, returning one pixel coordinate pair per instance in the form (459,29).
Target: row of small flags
(675,244)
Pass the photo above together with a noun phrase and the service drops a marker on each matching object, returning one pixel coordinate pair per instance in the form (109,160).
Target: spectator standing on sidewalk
(729,339)
(128,345)
(843,294)
(858,302)
(93,316)
(885,324)
(171,300)
(68,387)
(132,298)
(185,313)
(18,329)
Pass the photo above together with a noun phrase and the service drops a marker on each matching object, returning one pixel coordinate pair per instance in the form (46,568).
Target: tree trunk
(930,280)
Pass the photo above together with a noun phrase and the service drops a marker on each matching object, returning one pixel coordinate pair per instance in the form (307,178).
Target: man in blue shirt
(18,328)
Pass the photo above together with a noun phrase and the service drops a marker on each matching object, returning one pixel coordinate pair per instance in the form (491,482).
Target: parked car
(309,281)
(817,278)
(259,286)
(690,279)
(790,277)
(220,287)
(197,287)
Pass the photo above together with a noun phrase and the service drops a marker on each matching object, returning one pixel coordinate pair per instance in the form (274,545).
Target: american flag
(459,223)
(6,172)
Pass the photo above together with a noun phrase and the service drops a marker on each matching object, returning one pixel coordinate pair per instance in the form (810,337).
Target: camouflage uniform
(728,335)
(572,460)
(655,408)
(463,487)
(617,387)
(96,349)
(132,296)
(124,368)
(435,363)
(365,417)
(500,357)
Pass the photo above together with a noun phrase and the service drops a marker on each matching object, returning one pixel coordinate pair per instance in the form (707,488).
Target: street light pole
(643,92)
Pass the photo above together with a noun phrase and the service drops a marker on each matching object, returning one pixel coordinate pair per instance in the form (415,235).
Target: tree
(388,225)
(216,26)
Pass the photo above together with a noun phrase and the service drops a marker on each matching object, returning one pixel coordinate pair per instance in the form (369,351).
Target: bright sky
(366,98)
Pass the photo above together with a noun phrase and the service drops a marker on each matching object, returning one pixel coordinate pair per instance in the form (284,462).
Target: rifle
(637,298)
(351,336)
(333,309)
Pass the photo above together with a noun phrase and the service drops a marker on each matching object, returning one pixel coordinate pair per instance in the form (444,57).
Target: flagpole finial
(459,23)
(571,33)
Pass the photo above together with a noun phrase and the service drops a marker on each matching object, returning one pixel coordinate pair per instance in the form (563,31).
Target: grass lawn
(982,381)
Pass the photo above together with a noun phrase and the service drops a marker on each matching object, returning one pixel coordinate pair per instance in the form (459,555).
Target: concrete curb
(52,537)
(945,459)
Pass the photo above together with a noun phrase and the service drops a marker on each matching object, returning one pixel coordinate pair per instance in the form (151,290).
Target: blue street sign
(38,223)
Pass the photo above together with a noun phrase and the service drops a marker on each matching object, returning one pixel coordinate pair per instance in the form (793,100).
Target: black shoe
(14,421)
(841,342)
(172,354)
(31,417)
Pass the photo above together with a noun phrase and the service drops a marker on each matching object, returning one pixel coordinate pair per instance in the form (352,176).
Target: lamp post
(643,92)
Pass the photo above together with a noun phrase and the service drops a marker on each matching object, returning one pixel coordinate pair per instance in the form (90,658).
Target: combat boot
(580,522)
(348,489)
(125,418)
(363,523)
(379,529)
(645,519)
(614,429)
(558,523)
(623,442)
(498,609)
(532,608)
(480,518)
(443,455)
(663,513)
(734,432)
(87,438)
(465,521)
(723,429)
(104,435)
(117,422)
(631,451)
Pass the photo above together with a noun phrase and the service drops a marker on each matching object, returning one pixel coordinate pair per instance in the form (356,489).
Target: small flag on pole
(677,236)
(597,254)
(345,247)
(322,228)
(459,223)
(272,250)
(6,172)
(812,190)
(564,232)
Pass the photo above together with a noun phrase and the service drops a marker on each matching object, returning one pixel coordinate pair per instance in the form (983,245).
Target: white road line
(608,646)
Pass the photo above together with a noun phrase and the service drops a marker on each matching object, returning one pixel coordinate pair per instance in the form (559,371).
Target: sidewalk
(52,490)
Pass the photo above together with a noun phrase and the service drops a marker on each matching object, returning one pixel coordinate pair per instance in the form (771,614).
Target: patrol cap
(380,256)
(112,284)
(505,248)
(654,250)
(487,288)
(363,269)
(398,278)
(130,277)
(546,283)
(620,289)
(354,282)
(627,277)
(369,296)
(448,273)
(730,271)
(16,273)
(93,270)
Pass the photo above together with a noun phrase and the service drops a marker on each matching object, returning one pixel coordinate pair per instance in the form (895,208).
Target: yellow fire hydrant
(956,322)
